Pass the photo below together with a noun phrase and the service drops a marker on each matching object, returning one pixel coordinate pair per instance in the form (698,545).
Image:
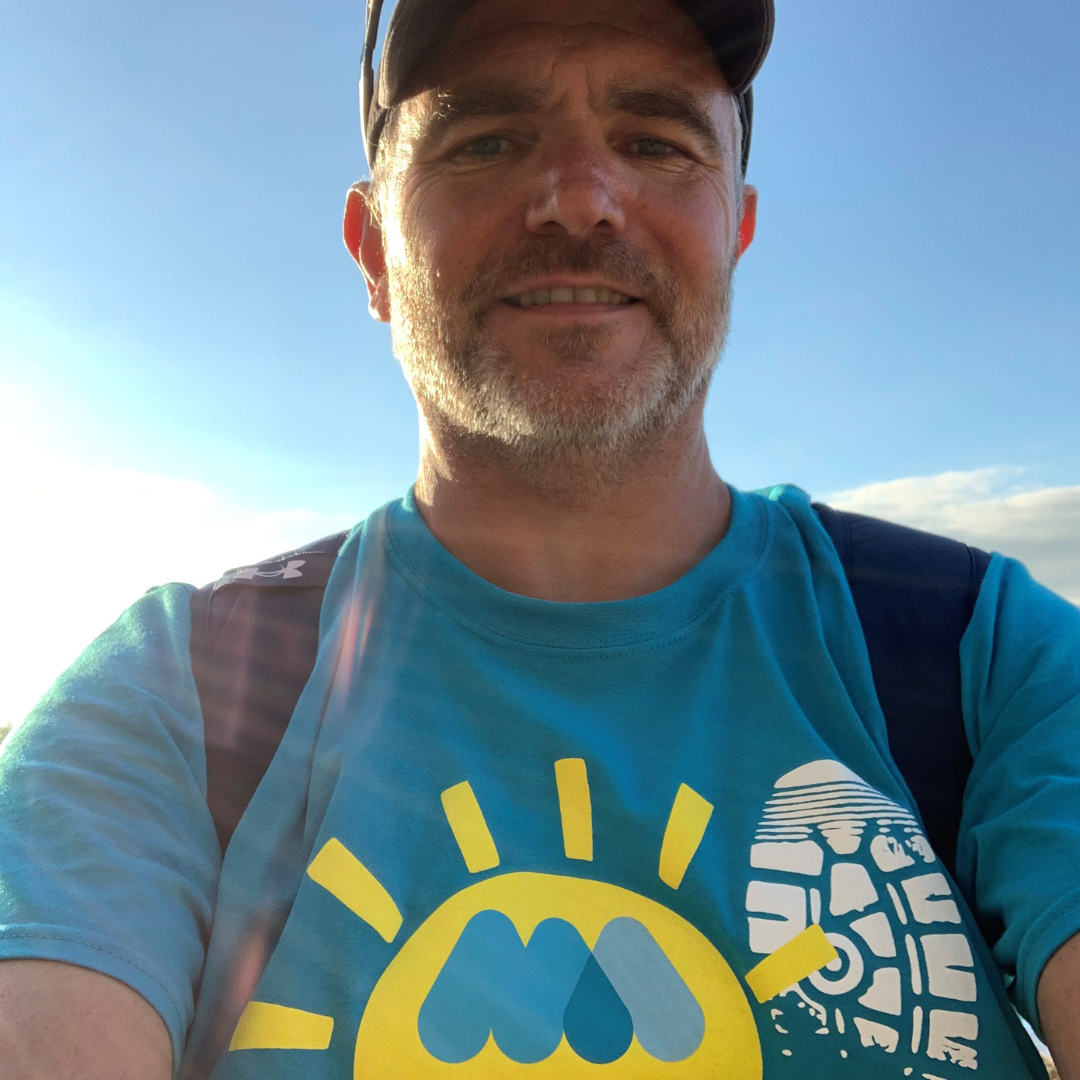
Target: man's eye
(652,147)
(486,146)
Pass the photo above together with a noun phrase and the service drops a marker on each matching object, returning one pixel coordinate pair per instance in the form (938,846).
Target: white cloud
(82,541)
(990,509)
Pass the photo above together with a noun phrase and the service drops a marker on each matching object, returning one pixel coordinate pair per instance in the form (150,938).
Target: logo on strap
(290,570)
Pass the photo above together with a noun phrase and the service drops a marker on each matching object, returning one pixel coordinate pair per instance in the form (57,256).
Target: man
(590,775)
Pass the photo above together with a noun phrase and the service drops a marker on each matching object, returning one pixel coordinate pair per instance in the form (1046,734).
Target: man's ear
(363,238)
(748,224)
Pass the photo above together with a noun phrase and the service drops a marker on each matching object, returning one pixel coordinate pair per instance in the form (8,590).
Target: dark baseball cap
(739,31)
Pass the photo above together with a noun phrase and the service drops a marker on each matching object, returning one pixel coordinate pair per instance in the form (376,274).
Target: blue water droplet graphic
(596,1022)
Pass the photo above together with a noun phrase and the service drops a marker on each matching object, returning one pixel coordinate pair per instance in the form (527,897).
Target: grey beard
(469,390)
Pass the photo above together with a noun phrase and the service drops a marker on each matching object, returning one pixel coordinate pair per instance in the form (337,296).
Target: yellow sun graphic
(594,976)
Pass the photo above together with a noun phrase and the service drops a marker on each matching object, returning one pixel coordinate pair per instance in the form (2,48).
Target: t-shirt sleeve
(108,855)
(1019,850)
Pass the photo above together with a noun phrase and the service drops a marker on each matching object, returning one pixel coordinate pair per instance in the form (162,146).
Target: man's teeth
(569,296)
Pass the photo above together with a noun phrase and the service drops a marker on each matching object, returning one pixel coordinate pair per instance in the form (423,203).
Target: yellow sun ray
(345,877)
(804,954)
(575,806)
(686,824)
(263,1026)
(469,827)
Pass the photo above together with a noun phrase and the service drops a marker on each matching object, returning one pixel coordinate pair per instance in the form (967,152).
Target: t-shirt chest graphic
(850,958)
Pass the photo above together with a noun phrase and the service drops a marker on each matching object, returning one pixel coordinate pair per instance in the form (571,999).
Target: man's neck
(529,532)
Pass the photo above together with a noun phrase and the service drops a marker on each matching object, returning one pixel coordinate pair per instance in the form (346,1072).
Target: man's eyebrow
(666,103)
(498,99)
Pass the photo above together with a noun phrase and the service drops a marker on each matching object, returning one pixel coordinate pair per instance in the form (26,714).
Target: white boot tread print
(830,849)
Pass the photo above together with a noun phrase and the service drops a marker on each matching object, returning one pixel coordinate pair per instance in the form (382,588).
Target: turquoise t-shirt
(503,837)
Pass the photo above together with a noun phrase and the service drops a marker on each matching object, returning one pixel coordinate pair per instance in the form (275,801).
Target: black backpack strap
(915,593)
(254,638)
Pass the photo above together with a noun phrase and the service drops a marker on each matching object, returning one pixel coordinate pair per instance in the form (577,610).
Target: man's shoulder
(306,566)
(877,554)
(254,639)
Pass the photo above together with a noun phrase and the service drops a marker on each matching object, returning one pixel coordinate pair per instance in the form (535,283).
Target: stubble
(576,428)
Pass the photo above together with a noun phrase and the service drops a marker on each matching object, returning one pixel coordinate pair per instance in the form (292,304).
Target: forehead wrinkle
(508,98)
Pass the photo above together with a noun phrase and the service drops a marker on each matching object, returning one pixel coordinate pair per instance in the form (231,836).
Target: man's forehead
(432,115)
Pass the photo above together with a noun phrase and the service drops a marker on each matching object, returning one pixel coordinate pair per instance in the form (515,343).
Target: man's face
(560,216)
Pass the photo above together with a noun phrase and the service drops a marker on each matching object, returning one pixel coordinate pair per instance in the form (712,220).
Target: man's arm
(1059,1008)
(108,858)
(69,1023)
(1019,841)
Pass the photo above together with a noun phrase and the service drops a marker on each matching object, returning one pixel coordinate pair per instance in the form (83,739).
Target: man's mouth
(568,296)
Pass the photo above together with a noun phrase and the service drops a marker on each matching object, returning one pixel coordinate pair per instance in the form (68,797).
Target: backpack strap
(915,593)
(254,638)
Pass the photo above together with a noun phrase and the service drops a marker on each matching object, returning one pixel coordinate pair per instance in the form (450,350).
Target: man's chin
(580,416)
(542,351)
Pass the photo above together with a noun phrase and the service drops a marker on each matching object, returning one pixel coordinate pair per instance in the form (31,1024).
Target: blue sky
(176,305)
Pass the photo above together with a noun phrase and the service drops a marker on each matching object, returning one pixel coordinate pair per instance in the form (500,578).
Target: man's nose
(578,189)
